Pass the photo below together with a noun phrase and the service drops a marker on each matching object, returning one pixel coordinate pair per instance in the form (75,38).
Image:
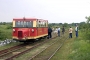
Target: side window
(39,23)
(36,23)
(46,23)
(43,23)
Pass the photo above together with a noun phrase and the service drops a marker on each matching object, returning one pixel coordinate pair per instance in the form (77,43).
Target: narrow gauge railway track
(46,54)
(10,56)
(5,52)
(57,49)
(9,49)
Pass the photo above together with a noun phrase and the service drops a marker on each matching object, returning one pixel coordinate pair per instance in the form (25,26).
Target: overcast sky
(55,11)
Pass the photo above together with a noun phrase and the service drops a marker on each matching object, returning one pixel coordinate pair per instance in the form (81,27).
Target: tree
(88,19)
(88,22)
(65,24)
(86,32)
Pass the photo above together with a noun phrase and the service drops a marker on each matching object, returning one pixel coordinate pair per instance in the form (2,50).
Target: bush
(85,34)
(9,27)
(5,32)
(2,35)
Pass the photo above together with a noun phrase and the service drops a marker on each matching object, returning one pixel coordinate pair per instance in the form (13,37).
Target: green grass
(74,49)
(81,50)
(62,54)
(5,32)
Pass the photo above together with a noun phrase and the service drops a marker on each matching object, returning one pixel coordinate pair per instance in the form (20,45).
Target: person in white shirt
(70,32)
(56,31)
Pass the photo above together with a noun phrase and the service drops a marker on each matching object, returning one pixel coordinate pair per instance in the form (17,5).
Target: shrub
(9,27)
(5,33)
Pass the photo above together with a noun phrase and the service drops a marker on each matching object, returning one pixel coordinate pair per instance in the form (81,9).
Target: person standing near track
(63,30)
(76,30)
(59,31)
(49,33)
(56,31)
(70,32)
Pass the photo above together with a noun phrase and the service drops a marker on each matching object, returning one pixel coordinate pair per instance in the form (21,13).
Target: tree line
(4,23)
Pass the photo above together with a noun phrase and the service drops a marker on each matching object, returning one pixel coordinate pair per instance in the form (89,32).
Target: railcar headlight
(32,30)
(13,29)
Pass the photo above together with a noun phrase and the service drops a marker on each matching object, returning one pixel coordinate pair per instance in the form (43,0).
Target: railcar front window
(24,24)
(30,24)
(19,24)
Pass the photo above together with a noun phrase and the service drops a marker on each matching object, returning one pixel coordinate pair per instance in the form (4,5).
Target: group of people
(71,30)
(57,31)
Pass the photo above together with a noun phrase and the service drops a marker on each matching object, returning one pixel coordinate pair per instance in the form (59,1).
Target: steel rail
(41,51)
(8,49)
(47,47)
(57,49)
(11,58)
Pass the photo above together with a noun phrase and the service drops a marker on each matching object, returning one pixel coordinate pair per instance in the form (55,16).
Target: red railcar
(29,29)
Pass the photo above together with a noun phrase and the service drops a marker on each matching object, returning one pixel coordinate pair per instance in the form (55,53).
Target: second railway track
(48,52)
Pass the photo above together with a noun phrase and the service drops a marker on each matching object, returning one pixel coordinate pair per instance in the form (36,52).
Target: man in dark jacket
(63,30)
(76,30)
(49,32)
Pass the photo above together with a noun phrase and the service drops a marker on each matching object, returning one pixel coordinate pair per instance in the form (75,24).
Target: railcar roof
(17,19)
(24,18)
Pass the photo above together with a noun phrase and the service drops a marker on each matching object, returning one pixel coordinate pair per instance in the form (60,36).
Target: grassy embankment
(5,31)
(74,49)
